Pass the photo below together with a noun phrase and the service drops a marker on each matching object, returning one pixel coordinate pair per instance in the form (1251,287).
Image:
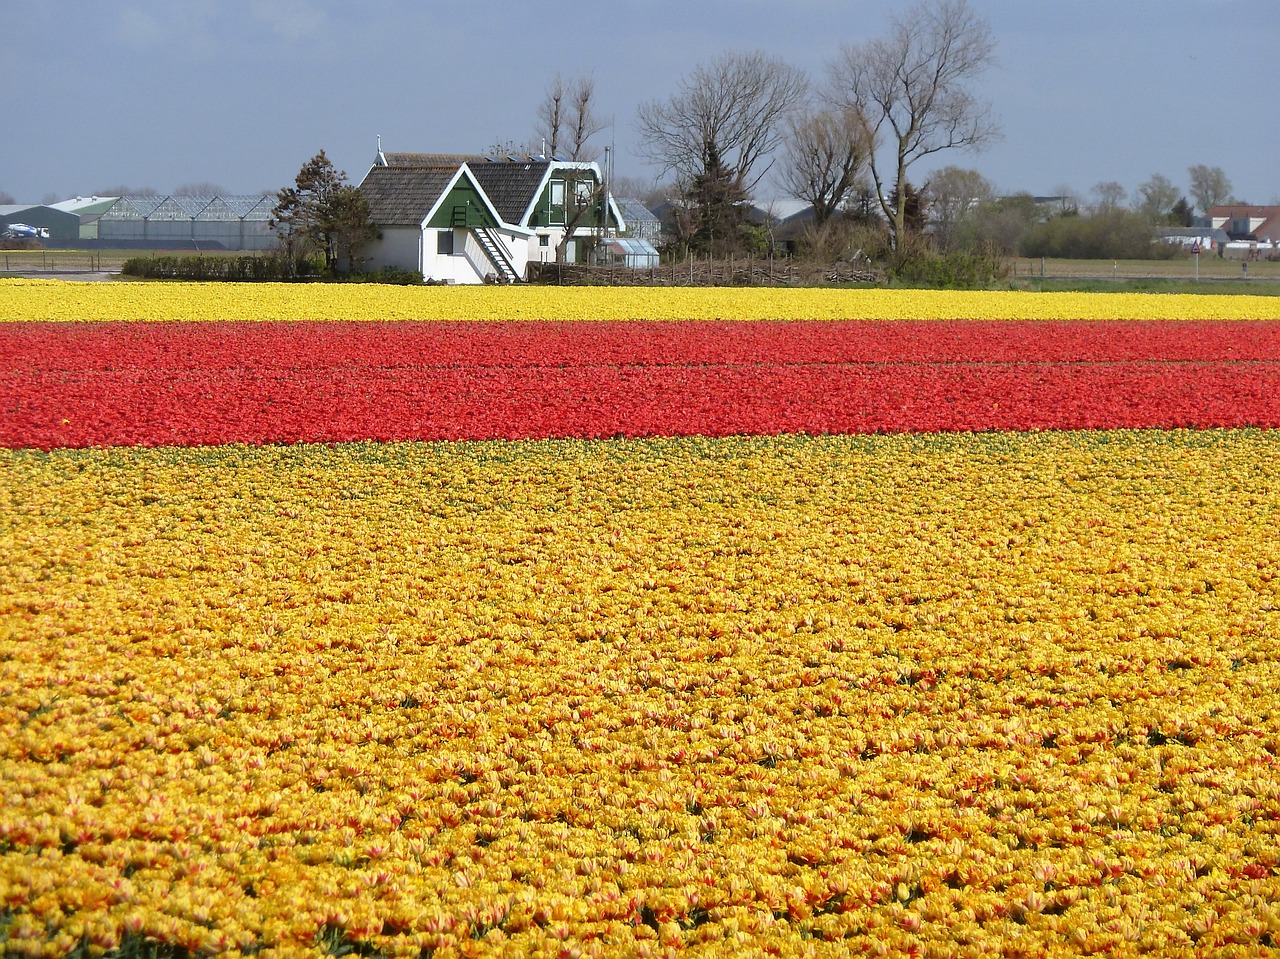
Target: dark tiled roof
(424,159)
(511,183)
(471,159)
(511,186)
(403,195)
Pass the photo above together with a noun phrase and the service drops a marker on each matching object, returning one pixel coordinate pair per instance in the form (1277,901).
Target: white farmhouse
(476,219)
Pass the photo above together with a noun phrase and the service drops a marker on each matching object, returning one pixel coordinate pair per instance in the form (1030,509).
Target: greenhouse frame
(200,222)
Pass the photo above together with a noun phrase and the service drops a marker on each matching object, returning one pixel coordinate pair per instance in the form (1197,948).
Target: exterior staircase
(493,248)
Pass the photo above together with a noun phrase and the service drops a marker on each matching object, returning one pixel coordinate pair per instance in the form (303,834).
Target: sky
(163,94)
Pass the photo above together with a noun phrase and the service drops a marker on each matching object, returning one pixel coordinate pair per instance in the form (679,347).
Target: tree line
(844,143)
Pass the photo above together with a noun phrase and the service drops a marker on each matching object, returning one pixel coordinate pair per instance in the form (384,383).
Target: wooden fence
(692,271)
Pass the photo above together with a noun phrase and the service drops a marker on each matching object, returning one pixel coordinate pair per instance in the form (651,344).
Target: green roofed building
(466,218)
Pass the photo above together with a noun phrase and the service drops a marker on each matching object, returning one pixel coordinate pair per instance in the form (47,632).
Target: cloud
(190,27)
(292,20)
(140,28)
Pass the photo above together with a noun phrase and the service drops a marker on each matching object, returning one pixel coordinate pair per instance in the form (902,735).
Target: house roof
(403,187)
(1245,209)
(513,187)
(511,183)
(404,195)
(635,211)
(1263,221)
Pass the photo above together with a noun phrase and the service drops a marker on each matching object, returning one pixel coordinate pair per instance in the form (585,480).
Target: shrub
(957,270)
(388,274)
(1119,235)
(267,267)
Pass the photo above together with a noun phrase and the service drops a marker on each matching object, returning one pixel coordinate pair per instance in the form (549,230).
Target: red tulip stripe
(78,385)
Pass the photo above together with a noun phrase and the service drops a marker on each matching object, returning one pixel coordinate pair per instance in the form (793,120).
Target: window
(544,240)
(555,201)
(444,243)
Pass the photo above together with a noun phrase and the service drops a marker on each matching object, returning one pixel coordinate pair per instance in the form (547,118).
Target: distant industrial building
(150,222)
(54,227)
(189,222)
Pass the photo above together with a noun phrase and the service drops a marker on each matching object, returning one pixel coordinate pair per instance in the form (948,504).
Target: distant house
(1244,222)
(1204,239)
(1251,230)
(790,231)
(466,218)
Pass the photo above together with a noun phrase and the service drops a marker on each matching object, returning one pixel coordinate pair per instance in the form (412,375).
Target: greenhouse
(187,222)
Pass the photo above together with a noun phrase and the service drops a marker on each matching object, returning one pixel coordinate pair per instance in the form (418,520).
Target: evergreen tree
(716,202)
(1182,214)
(321,211)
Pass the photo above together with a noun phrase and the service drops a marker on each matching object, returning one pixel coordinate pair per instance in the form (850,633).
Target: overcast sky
(240,93)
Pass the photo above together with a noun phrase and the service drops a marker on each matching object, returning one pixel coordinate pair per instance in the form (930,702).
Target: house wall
(519,246)
(467,263)
(538,253)
(400,246)
(465,197)
(546,214)
(477,260)
(547,253)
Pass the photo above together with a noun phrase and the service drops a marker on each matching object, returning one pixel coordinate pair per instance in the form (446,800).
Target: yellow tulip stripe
(942,695)
(100,302)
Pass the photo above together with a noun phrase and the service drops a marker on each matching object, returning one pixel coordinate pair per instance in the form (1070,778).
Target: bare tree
(1110,196)
(825,152)
(955,194)
(127,191)
(1209,187)
(911,90)
(199,189)
(647,191)
(1066,200)
(585,199)
(567,118)
(730,112)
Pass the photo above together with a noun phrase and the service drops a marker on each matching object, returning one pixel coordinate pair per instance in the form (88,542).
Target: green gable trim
(462,207)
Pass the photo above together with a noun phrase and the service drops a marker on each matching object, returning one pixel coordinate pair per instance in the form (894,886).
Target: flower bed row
(207,384)
(48,300)
(929,695)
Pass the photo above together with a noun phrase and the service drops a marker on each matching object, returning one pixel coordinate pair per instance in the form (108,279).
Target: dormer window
(555,202)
